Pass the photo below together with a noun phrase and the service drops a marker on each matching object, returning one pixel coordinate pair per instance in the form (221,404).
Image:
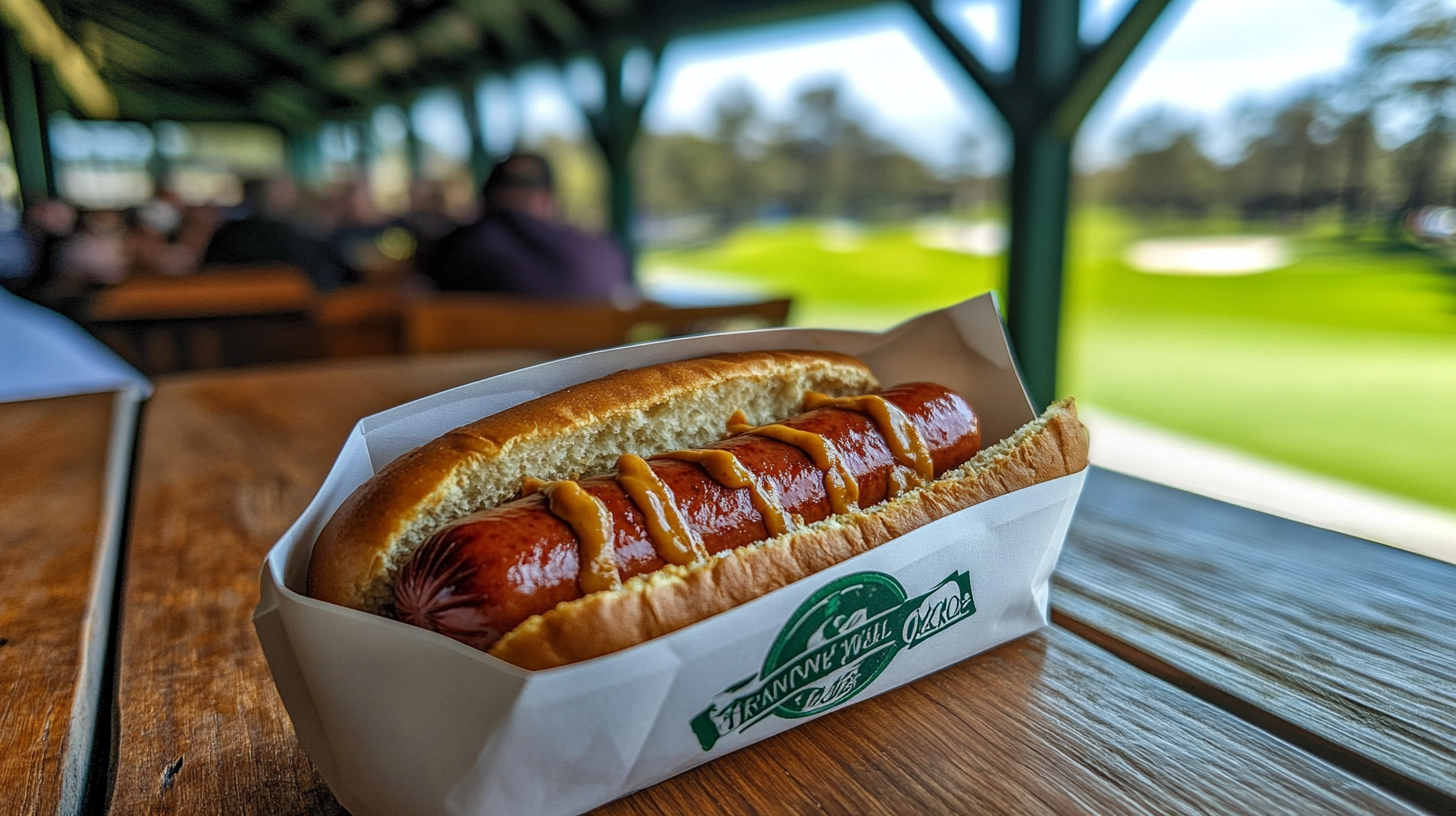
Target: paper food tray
(400,720)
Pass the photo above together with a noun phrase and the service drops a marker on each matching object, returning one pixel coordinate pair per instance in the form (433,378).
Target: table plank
(1349,645)
(228,461)
(1046,724)
(53,502)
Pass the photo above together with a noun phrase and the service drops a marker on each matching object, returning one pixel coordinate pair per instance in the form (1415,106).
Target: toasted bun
(572,432)
(674,597)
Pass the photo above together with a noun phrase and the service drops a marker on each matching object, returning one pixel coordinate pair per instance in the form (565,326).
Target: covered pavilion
(299,64)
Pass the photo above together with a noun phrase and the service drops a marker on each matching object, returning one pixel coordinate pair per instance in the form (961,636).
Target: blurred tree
(817,127)
(821,160)
(1409,68)
(1353,143)
(1284,170)
(735,119)
(1165,171)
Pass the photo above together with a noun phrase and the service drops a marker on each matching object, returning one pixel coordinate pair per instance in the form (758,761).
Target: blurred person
(46,224)
(197,227)
(428,220)
(354,239)
(16,253)
(262,237)
(152,248)
(91,257)
(519,245)
(95,254)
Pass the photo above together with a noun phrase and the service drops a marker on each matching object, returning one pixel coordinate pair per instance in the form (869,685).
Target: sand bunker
(1224,255)
(982,238)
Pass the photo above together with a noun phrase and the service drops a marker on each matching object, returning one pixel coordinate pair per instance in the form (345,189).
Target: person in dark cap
(519,245)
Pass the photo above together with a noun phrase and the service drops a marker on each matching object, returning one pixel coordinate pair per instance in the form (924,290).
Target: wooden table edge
(86,756)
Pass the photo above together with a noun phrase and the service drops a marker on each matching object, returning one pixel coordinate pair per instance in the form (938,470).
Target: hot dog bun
(578,430)
(583,429)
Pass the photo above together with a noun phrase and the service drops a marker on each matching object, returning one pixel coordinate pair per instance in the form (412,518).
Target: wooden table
(63,466)
(1204,659)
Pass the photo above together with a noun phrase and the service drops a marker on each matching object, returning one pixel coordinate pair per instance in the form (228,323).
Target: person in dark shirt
(519,245)
(261,237)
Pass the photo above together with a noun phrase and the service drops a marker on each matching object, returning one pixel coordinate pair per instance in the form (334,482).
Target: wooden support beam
(303,156)
(480,161)
(275,53)
(614,127)
(159,167)
(49,99)
(366,148)
(1102,63)
(992,84)
(1045,98)
(414,146)
(23,120)
(1041,176)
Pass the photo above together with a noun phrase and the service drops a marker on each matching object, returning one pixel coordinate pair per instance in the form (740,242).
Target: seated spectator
(48,224)
(429,221)
(520,246)
(151,248)
(261,236)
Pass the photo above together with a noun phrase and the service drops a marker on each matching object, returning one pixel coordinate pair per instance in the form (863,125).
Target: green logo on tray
(833,646)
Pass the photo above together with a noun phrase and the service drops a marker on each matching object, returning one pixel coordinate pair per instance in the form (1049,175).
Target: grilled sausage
(479,577)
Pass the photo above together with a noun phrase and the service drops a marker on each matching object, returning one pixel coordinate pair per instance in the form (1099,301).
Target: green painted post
(48,100)
(620,132)
(1044,100)
(414,147)
(615,126)
(158,166)
(300,157)
(480,162)
(364,131)
(22,118)
(1041,169)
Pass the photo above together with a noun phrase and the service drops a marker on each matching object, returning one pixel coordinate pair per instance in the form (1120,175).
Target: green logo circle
(838,641)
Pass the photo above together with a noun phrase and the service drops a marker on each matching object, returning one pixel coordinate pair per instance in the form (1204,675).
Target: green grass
(1343,363)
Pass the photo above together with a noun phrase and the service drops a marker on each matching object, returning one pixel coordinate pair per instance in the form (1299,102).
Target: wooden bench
(213,318)
(463,322)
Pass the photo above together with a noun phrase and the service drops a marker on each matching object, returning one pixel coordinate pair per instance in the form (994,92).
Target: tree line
(821,160)
(1372,144)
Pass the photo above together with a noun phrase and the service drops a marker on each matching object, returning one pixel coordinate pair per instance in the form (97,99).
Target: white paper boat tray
(403,721)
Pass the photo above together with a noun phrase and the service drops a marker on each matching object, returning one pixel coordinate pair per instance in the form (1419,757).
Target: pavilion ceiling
(294,63)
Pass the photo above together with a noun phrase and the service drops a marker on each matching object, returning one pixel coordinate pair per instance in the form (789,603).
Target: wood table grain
(1048,724)
(59,528)
(227,462)
(1345,647)
(1045,724)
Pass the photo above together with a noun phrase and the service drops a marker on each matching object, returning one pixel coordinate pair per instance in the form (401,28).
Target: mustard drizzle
(895,426)
(589,519)
(839,483)
(725,469)
(675,541)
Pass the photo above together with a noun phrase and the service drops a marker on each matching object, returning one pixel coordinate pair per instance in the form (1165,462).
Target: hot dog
(672,534)
(481,576)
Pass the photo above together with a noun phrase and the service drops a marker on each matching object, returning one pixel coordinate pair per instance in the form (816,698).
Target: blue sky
(1202,56)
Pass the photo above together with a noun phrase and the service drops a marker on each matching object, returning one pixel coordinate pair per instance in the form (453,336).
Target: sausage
(480,576)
